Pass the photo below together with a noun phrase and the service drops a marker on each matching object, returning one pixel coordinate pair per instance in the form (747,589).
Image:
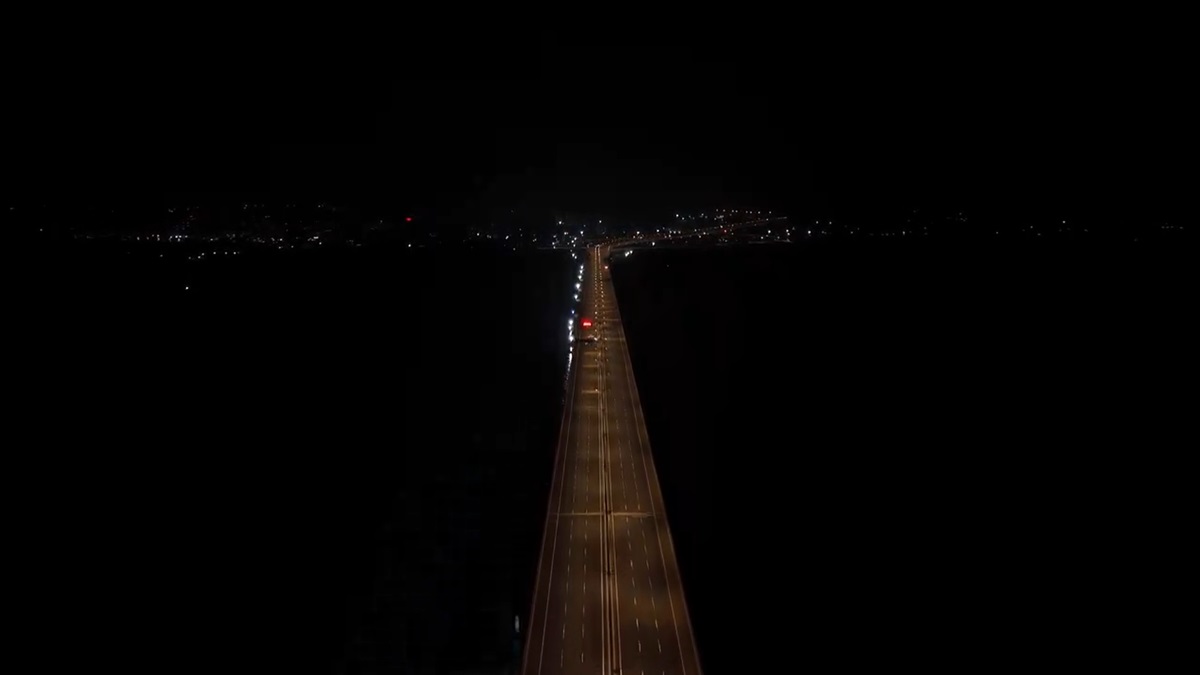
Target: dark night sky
(984,116)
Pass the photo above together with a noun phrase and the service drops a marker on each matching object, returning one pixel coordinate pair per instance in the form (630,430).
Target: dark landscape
(344,455)
(300,315)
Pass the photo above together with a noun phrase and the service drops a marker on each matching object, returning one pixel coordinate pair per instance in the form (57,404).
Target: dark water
(918,454)
(313,462)
(338,462)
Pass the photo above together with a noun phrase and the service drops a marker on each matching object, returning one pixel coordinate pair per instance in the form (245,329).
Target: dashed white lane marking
(637,623)
(647,563)
(656,624)
(659,645)
(639,646)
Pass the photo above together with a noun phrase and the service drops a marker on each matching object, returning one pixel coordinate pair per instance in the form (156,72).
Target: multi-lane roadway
(608,596)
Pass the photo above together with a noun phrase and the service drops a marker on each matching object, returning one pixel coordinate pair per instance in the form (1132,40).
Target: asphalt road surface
(608,597)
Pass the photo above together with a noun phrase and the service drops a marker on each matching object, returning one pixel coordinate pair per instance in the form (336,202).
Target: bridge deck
(608,597)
